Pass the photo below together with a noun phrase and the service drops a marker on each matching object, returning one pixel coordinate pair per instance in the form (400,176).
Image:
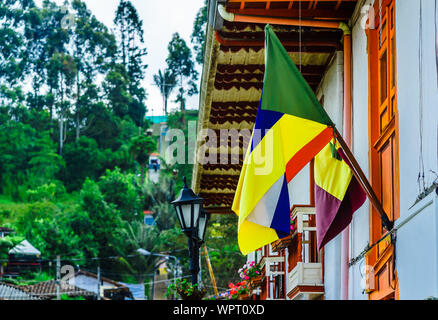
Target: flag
(291,128)
(337,193)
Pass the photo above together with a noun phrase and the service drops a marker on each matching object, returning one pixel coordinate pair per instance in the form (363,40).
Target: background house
(12,292)
(154,167)
(109,289)
(4,232)
(161,282)
(24,257)
(47,290)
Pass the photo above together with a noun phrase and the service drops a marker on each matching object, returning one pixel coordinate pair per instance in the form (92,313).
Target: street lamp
(145,252)
(188,207)
(193,220)
(204,217)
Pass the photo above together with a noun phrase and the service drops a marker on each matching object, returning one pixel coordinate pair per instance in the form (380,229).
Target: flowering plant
(236,290)
(292,224)
(250,270)
(185,290)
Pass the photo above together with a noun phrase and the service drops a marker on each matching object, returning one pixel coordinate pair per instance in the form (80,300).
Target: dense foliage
(74,147)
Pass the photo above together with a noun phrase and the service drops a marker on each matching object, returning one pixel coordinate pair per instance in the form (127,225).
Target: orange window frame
(383,145)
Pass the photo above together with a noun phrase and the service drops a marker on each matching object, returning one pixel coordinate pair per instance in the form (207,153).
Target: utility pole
(58,277)
(153,284)
(210,269)
(175,276)
(98,282)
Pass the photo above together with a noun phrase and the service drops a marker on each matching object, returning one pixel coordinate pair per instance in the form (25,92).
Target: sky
(161,18)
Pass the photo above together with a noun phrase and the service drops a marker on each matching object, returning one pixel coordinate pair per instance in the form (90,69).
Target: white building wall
(417,241)
(359,228)
(416,247)
(417,237)
(331,89)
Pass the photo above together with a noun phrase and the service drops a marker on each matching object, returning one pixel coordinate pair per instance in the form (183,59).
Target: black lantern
(193,220)
(204,216)
(188,208)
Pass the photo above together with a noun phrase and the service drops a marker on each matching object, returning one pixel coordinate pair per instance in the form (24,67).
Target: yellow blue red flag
(291,128)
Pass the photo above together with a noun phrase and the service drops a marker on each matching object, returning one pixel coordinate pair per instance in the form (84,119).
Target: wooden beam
(339,14)
(240,1)
(252,68)
(241,40)
(289,49)
(363,181)
(219,210)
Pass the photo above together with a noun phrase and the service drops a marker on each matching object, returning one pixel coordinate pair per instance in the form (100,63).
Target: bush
(83,160)
(119,189)
(46,192)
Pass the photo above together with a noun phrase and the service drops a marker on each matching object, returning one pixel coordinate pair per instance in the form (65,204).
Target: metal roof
(11,292)
(25,248)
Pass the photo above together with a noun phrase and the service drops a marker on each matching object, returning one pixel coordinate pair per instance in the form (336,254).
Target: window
(383,144)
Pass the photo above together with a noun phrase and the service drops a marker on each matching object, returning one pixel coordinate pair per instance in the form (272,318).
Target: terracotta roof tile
(47,290)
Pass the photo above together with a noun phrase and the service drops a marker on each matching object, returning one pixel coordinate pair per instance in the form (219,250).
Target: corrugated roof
(25,248)
(11,292)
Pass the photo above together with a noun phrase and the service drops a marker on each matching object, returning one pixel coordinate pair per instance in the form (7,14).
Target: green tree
(141,148)
(103,125)
(105,220)
(225,257)
(157,198)
(83,160)
(198,34)
(138,236)
(27,158)
(166,82)
(130,34)
(116,89)
(6,244)
(180,62)
(62,73)
(94,48)
(120,189)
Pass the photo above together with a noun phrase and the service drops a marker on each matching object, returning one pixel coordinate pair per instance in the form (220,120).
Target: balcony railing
(274,274)
(305,280)
(292,266)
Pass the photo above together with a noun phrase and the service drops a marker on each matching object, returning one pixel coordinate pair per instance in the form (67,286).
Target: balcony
(271,284)
(274,274)
(305,275)
(305,281)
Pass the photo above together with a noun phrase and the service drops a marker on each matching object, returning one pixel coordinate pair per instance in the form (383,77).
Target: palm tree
(137,235)
(166,82)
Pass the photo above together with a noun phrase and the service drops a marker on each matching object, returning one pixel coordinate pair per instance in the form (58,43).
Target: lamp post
(145,252)
(193,220)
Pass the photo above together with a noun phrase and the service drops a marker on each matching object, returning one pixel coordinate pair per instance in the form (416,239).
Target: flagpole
(363,181)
